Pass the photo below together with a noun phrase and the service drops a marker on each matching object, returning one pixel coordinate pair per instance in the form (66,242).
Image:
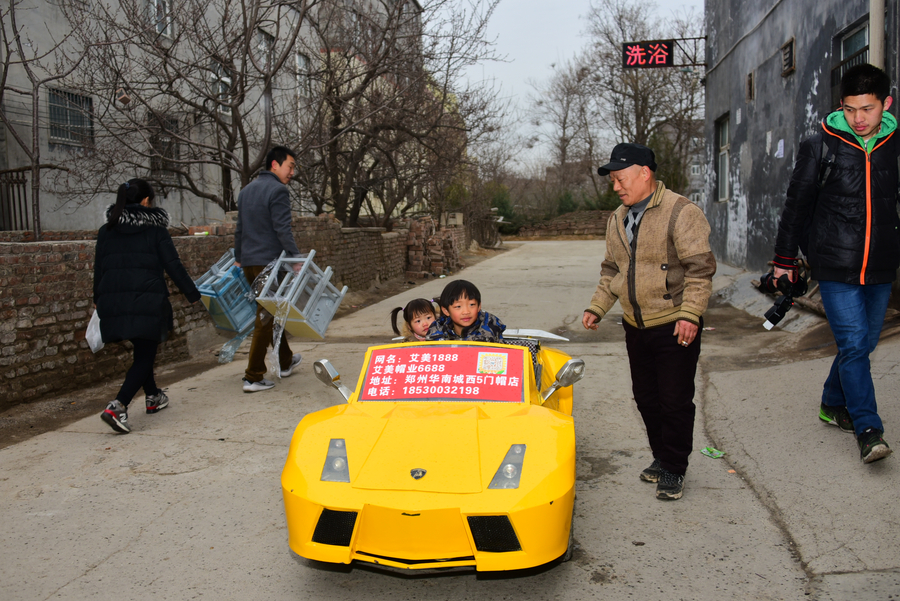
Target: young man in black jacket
(853,242)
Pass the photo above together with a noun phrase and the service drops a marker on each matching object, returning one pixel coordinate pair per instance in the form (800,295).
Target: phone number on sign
(440,390)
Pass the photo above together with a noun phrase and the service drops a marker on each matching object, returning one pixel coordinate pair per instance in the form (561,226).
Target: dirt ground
(50,413)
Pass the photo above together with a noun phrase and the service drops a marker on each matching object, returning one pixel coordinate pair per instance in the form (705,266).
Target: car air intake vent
(493,533)
(335,528)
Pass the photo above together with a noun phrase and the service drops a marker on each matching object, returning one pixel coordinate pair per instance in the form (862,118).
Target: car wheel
(570,550)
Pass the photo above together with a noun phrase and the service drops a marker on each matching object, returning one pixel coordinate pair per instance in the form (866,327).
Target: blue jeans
(855,314)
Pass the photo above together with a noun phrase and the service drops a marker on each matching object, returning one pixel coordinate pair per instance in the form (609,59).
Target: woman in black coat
(134,248)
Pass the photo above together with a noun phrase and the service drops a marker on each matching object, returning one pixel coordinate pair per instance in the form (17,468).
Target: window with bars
(723,144)
(221,86)
(266,45)
(71,118)
(304,85)
(788,59)
(852,48)
(164,147)
(162,15)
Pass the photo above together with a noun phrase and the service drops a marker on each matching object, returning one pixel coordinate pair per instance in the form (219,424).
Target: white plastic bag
(92,335)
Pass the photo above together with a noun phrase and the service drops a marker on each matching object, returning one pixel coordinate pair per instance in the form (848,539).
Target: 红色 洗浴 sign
(648,55)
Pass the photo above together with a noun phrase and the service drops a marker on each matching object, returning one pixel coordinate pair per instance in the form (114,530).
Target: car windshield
(447,373)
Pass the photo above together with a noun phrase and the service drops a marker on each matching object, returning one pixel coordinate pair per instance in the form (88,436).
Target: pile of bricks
(415,242)
(431,252)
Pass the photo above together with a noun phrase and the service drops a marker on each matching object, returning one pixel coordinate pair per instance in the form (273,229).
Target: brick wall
(46,293)
(47,303)
(590,224)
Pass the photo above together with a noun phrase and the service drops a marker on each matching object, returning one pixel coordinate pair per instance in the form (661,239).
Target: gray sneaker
(670,485)
(651,472)
(157,401)
(257,386)
(295,363)
(872,446)
(116,415)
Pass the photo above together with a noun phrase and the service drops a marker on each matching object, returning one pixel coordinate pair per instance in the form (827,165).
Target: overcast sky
(535,34)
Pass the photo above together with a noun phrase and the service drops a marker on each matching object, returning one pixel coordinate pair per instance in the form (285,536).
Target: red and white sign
(648,55)
(445,373)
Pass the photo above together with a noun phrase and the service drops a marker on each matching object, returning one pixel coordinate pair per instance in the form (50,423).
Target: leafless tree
(391,116)
(662,107)
(32,59)
(188,94)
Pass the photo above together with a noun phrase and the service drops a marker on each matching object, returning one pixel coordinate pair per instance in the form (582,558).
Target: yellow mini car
(448,454)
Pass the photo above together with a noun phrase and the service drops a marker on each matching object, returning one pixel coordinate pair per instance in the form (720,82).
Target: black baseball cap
(625,155)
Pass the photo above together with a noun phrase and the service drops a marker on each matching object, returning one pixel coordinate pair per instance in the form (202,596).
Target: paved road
(189,505)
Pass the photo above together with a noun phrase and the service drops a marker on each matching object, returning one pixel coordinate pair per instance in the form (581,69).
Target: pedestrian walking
(659,267)
(134,250)
(841,211)
(263,232)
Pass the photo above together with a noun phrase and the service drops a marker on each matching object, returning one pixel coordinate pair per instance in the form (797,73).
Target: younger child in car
(462,317)
(418,315)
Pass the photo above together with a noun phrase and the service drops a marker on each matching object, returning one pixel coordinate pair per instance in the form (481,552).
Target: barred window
(265,43)
(162,14)
(71,118)
(164,148)
(221,82)
(723,141)
(303,76)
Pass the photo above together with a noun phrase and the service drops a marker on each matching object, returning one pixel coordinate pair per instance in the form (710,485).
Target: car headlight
(336,469)
(510,471)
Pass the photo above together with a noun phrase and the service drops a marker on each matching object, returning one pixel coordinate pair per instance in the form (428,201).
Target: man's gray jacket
(264,222)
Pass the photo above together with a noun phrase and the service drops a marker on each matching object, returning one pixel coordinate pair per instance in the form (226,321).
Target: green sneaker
(836,416)
(872,446)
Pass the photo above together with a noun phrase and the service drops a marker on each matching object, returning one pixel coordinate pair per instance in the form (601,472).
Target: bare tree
(662,107)
(26,69)
(391,117)
(555,108)
(188,94)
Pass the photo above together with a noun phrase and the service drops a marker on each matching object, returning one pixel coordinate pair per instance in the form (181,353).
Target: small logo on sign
(417,473)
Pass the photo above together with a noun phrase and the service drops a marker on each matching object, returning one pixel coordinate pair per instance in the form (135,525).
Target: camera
(768,283)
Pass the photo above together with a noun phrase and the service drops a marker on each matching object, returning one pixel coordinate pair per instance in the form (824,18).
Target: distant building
(773,73)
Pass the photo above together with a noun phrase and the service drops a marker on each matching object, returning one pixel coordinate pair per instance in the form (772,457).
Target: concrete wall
(747,37)
(47,290)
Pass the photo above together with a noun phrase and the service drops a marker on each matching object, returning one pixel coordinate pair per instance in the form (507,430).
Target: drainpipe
(876,33)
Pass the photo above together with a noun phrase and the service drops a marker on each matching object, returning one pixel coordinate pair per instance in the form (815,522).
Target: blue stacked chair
(226,294)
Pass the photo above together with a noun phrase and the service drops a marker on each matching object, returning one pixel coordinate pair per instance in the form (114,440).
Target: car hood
(442,441)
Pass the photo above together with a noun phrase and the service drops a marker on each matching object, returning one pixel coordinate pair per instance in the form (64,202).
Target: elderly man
(659,267)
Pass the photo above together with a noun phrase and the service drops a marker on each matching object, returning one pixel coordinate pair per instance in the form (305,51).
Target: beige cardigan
(671,277)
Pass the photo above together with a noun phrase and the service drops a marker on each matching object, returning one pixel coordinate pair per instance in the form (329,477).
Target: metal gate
(14,202)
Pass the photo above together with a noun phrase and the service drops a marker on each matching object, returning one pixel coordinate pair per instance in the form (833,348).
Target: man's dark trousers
(662,380)
(262,337)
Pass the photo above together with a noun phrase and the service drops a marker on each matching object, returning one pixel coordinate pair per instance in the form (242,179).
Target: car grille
(493,533)
(335,528)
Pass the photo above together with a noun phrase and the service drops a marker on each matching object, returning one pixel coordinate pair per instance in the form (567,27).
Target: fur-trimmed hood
(139,216)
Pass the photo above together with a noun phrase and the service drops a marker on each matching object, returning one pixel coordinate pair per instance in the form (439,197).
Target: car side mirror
(571,372)
(328,375)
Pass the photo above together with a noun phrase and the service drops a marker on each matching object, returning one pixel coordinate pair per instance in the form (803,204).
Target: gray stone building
(184,95)
(773,73)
